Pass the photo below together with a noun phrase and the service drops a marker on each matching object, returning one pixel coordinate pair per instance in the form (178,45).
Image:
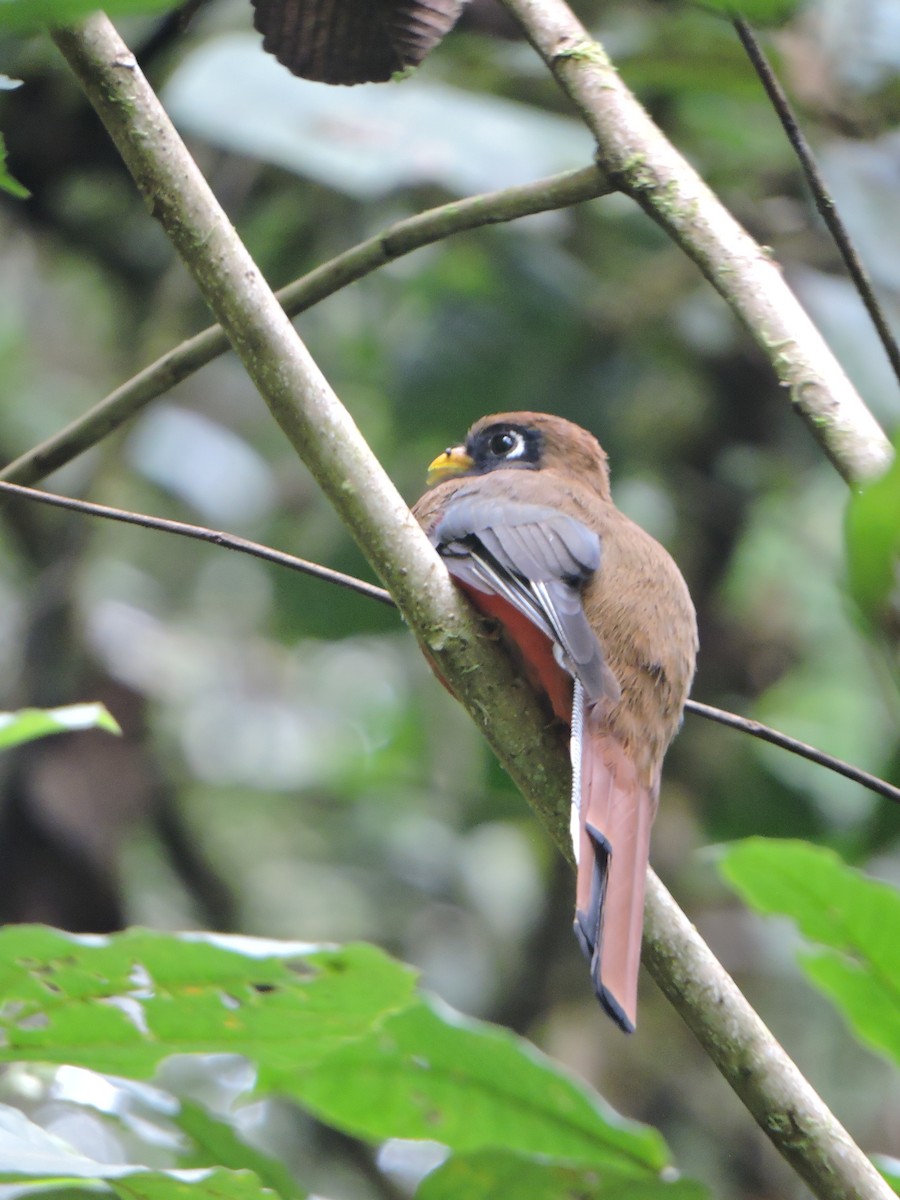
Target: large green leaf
(428,1074)
(26,16)
(858,919)
(122,1004)
(487,1174)
(341,1031)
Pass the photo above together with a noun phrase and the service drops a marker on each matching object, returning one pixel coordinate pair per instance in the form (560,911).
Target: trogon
(601,623)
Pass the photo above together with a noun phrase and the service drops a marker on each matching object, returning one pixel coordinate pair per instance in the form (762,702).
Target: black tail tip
(607,1000)
(613,1008)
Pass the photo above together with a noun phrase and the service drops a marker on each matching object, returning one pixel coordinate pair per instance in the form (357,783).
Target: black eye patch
(505,446)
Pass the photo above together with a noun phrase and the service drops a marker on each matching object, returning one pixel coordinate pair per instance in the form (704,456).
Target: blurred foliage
(890,1169)
(762,11)
(873,554)
(29,15)
(857,918)
(288,767)
(31,723)
(7,183)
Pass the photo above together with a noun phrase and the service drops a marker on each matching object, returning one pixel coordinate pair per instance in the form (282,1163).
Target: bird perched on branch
(601,622)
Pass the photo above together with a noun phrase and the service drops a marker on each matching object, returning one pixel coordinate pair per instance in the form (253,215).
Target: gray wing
(537,559)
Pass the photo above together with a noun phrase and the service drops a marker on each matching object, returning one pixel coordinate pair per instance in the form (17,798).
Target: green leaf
(7,182)
(28,16)
(122,1004)
(217,1144)
(30,1154)
(30,723)
(188,1185)
(428,1074)
(487,1174)
(873,542)
(342,1031)
(141,1183)
(54,1190)
(858,919)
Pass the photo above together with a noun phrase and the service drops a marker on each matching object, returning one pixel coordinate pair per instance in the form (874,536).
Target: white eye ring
(516,449)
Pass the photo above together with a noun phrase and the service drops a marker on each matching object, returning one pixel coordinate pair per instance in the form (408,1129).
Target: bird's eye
(507,444)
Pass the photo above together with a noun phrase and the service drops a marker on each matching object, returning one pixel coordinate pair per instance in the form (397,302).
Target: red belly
(532,648)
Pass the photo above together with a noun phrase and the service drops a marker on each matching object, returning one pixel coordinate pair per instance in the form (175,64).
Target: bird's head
(524,441)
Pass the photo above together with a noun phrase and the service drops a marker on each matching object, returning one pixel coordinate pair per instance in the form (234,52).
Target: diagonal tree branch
(324,435)
(643,163)
(423,229)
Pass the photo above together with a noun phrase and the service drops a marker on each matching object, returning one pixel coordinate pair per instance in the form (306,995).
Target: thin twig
(802,749)
(399,239)
(215,537)
(821,195)
(371,591)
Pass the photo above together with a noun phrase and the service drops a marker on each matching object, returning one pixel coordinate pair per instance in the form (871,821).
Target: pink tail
(617,810)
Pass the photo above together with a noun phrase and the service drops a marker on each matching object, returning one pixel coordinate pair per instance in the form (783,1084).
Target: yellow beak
(453,461)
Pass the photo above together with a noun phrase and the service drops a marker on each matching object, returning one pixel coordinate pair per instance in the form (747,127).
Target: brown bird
(600,619)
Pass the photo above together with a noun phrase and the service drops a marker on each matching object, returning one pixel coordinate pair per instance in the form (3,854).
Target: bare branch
(176,365)
(645,165)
